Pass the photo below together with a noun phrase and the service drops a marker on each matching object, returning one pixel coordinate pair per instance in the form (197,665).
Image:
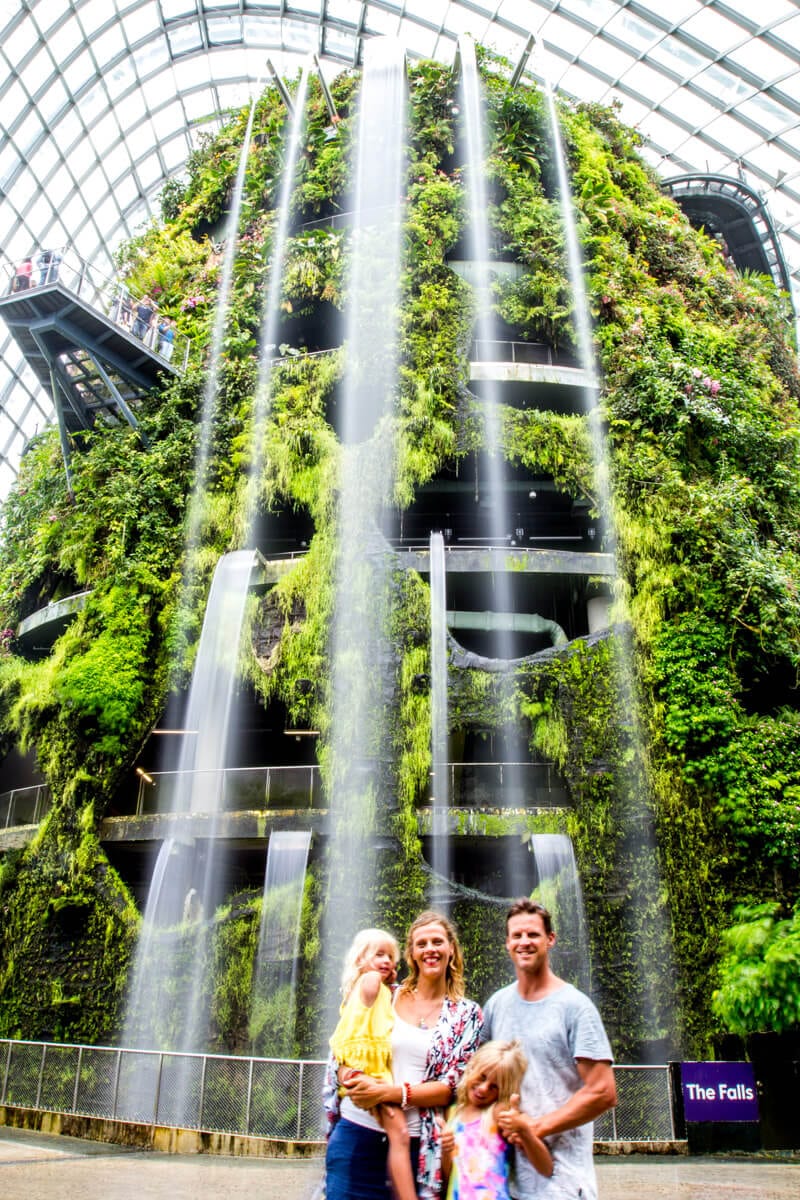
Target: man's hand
(512,1122)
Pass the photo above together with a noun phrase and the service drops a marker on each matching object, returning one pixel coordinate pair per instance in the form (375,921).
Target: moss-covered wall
(682,760)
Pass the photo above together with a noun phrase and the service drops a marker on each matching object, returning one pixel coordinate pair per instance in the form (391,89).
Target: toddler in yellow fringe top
(361,1042)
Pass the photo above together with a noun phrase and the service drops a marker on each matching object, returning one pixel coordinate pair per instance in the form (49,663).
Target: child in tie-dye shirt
(476,1159)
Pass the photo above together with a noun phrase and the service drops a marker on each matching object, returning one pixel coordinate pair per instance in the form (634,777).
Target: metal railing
(239,789)
(260,1097)
(519,352)
(645,1109)
(258,789)
(106,294)
(507,785)
(24,806)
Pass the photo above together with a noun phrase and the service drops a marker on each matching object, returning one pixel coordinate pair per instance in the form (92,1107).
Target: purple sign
(719,1091)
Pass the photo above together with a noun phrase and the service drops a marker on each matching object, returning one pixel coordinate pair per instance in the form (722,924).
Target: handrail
(266,781)
(108,294)
(117,1083)
(37,797)
(528,353)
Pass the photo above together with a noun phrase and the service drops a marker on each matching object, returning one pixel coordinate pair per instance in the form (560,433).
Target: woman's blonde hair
(363,946)
(506,1062)
(454,978)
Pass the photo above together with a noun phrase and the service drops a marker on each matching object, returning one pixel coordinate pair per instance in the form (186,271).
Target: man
(569,1080)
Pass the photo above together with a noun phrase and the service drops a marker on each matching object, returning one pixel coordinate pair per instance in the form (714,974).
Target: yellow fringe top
(362,1038)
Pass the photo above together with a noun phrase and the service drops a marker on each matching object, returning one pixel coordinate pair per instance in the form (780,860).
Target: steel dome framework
(101,101)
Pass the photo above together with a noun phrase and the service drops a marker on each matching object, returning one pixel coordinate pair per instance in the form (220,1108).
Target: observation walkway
(729,209)
(561,385)
(77,331)
(258,801)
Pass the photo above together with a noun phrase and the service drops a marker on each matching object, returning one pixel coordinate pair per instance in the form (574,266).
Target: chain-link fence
(260,1097)
(644,1111)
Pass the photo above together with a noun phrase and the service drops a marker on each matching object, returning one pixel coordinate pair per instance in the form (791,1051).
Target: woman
(436,1031)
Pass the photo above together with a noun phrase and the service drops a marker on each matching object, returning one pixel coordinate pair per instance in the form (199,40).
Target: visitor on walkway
(476,1158)
(145,311)
(361,1042)
(569,1080)
(48,263)
(166,339)
(435,1033)
(22,280)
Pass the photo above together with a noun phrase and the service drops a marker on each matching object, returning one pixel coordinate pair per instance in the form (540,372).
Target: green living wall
(678,734)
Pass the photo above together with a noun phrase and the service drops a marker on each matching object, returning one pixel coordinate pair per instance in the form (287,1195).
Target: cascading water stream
(271,311)
(558,887)
(358,772)
(440,829)
(583,322)
(187,883)
(165,1001)
(647,923)
(494,488)
(274,1002)
(211,387)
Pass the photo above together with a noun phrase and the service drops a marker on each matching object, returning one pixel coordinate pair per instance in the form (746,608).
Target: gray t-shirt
(554,1032)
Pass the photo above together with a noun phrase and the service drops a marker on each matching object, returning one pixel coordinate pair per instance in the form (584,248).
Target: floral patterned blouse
(456,1037)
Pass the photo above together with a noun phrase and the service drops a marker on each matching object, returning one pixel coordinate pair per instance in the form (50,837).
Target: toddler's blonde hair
(363,946)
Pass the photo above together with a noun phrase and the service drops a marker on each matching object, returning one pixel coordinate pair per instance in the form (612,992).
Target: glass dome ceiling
(101,101)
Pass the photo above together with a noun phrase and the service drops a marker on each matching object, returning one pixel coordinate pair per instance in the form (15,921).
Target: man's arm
(597,1093)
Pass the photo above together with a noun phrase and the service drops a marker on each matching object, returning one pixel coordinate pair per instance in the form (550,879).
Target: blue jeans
(355,1163)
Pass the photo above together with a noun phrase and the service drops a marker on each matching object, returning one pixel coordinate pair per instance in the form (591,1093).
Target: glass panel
(633,31)
(138,23)
(53,101)
(432,11)
(66,37)
(184,38)
(17,43)
(178,8)
(576,81)
(756,56)
(648,83)
(224,30)
(14,100)
(594,12)
(108,45)
(565,34)
(714,29)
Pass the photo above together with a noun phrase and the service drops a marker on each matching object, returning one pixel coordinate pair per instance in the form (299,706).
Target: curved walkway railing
(273,1098)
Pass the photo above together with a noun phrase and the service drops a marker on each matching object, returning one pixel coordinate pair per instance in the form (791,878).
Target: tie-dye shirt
(456,1037)
(481,1162)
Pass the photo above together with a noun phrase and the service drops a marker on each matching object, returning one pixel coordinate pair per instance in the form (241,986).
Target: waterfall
(494,486)
(644,917)
(221,312)
(362,675)
(440,854)
(558,887)
(271,311)
(274,1004)
(166,1002)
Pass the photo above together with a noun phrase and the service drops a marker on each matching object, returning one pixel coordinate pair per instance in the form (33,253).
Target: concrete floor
(37,1166)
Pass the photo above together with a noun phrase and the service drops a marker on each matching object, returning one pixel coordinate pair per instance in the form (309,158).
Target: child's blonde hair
(507,1064)
(363,946)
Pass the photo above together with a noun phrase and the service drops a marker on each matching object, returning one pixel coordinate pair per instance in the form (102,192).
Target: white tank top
(410,1047)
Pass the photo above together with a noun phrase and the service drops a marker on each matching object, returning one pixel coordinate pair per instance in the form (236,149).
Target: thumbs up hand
(510,1120)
